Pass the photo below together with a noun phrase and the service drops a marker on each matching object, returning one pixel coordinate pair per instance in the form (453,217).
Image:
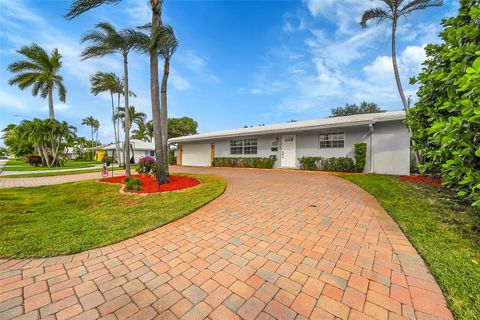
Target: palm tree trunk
(155,98)
(91,132)
(399,83)
(117,145)
(51,113)
(120,159)
(126,148)
(164,113)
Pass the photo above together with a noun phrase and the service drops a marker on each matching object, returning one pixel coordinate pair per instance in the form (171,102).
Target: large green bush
(446,119)
(247,162)
(309,163)
(360,156)
(338,164)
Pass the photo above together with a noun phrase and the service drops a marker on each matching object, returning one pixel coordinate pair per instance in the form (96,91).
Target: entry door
(288,151)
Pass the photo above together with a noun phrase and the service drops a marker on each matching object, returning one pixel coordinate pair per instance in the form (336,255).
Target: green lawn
(74,217)
(59,173)
(21,165)
(445,232)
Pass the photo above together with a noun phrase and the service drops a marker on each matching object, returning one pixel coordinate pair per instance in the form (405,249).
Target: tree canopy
(179,127)
(351,109)
(446,119)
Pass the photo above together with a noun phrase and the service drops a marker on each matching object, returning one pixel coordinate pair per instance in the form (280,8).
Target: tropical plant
(446,119)
(144,131)
(352,109)
(94,124)
(135,116)
(107,40)
(17,146)
(111,83)
(395,9)
(360,153)
(41,72)
(81,6)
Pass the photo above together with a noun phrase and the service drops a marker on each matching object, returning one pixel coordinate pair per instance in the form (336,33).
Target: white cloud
(178,82)
(57,107)
(11,102)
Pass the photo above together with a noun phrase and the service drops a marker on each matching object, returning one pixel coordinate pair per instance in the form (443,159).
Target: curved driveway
(276,245)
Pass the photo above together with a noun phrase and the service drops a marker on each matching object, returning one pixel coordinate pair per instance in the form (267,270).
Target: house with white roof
(387,138)
(138,149)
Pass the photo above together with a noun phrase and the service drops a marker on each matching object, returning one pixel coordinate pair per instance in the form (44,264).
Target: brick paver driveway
(277,244)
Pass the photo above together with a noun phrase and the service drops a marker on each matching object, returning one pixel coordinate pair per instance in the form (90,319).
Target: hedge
(250,162)
(360,156)
(340,164)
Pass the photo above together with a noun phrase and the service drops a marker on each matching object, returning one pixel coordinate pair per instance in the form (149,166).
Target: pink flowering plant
(145,164)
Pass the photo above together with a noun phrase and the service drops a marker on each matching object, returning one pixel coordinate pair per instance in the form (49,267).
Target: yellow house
(100,154)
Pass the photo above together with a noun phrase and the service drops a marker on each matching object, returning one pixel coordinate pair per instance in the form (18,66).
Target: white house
(138,149)
(387,138)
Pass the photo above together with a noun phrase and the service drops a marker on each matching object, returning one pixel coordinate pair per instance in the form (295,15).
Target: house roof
(137,145)
(324,123)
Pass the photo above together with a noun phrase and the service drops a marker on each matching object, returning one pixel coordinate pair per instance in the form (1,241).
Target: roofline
(296,127)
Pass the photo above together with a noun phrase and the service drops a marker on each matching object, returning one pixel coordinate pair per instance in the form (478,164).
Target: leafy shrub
(88,155)
(446,119)
(340,164)
(107,159)
(133,184)
(309,163)
(172,160)
(249,162)
(360,156)
(34,160)
(145,164)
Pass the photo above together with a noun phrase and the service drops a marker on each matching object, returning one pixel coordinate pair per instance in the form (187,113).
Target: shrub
(34,160)
(133,184)
(249,162)
(309,163)
(172,160)
(107,159)
(360,156)
(340,164)
(145,164)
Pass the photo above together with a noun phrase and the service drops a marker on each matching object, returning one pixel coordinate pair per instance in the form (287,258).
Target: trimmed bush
(172,160)
(309,163)
(145,164)
(34,160)
(340,164)
(133,184)
(250,162)
(360,156)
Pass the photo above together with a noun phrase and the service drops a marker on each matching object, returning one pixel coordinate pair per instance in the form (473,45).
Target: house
(387,138)
(138,149)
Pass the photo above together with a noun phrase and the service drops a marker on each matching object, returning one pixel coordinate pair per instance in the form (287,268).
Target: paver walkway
(281,245)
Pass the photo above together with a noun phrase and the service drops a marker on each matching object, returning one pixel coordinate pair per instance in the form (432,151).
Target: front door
(288,151)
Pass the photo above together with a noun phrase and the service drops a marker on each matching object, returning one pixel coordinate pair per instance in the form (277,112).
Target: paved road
(276,245)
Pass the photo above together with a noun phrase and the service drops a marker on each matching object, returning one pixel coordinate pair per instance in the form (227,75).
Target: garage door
(197,154)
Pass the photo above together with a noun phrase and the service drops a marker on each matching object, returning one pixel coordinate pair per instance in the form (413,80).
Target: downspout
(372,146)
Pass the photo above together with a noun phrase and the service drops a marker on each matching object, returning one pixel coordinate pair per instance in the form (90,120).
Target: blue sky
(239,62)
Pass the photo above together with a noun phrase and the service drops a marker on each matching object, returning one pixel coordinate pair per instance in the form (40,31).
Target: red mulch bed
(422,179)
(149,183)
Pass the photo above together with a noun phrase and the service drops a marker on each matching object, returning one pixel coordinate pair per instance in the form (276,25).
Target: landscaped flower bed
(422,179)
(149,183)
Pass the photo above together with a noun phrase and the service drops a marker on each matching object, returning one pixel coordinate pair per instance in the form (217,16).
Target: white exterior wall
(391,148)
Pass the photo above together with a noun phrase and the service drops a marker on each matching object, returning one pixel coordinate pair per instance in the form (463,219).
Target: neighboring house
(388,142)
(138,149)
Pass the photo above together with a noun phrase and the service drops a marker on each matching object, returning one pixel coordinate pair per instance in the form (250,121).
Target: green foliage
(351,109)
(360,156)
(172,159)
(179,127)
(248,162)
(446,119)
(338,164)
(34,160)
(133,184)
(309,163)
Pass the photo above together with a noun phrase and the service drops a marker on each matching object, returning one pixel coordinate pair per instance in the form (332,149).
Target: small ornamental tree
(360,156)
(446,119)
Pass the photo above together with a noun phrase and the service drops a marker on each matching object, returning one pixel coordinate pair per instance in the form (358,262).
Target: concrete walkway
(276,245)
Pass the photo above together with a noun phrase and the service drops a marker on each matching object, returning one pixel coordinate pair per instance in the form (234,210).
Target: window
(332,140)
(243,146)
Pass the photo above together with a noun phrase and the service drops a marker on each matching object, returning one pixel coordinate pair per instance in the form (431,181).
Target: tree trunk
(120,159)
(156,6)
(399,83)
(117,145)
(51,113)
(126,148)
(91,132)
(164,113)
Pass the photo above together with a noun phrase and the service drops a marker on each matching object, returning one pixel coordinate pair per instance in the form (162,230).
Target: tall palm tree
(144,131)
(92,123)
(81,6)
(134,116)
(111,83)
(40,71)
(107,40)
(395,9)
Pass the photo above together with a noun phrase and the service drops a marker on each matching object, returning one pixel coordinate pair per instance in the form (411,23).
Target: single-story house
(387,138)
(138,149)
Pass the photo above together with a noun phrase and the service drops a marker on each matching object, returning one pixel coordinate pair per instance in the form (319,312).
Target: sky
(238,62)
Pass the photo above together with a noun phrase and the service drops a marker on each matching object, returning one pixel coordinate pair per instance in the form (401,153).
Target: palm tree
(394,11)
(144,131)
(168,45)
(109,82)
(134,116)
(107,40)
(41,71)
(92,123)
(81,6)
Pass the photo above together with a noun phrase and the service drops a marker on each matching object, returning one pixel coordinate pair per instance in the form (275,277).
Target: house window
(332,140)
(243,146)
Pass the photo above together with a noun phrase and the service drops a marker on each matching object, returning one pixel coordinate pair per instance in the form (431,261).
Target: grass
(445,232)
(58,173)
(74,217)
(21,165)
